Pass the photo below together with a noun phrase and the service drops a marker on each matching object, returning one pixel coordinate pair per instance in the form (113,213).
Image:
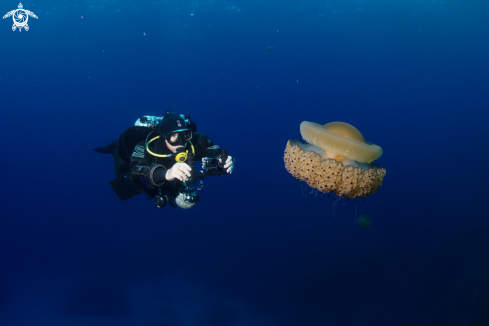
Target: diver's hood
(172,122)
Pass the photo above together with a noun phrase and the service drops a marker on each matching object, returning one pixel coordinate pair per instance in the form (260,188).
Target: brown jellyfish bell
(336,158)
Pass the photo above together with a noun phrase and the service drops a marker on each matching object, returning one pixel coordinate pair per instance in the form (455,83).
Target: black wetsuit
(139,172)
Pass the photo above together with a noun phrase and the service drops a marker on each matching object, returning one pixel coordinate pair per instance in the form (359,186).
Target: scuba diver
(156,157)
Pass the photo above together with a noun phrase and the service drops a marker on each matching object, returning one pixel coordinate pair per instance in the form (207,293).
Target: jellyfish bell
(340,141)
(336,158)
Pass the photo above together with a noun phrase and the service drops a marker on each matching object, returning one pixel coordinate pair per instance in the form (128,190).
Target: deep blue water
(412,76)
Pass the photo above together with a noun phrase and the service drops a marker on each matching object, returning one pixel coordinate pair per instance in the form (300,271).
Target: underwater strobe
(187,196)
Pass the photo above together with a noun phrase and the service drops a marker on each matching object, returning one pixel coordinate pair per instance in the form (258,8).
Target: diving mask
(179,137)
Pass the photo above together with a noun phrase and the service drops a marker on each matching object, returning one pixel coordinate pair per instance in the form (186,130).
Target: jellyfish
(336,159)
(364,222)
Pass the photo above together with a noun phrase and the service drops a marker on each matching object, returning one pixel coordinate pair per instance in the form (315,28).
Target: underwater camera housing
(187,196)
(213,163)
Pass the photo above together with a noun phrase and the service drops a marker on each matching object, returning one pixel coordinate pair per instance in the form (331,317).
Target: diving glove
(180,171)
(229,165)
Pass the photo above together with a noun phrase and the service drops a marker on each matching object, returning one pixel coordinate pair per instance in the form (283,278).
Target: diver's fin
(109,149)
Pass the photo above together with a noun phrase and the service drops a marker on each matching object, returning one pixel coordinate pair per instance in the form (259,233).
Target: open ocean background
(411,75)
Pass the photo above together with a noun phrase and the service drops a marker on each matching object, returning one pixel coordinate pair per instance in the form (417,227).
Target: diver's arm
(205,147)
(156,174)
(214,151)
(152,175)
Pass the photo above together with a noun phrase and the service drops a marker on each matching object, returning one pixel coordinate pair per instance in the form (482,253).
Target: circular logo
(20,17)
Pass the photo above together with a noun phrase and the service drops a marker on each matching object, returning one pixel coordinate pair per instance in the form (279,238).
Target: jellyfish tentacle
(355,217)
(335,202)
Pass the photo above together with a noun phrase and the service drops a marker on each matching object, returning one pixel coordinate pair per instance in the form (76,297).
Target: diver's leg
(109,149)
(120,167)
